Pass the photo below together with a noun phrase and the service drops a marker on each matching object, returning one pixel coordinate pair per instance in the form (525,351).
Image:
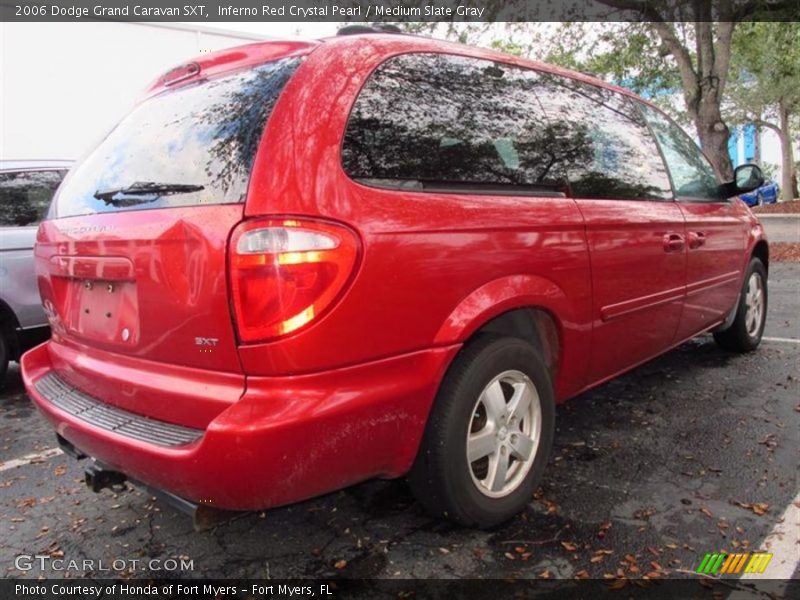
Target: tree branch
(685,67)
(767,124)
(724,39)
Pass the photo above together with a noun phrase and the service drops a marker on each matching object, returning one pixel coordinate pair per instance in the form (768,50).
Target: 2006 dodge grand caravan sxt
(296,266)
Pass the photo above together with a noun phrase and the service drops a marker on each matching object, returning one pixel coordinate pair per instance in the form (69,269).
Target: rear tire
(744,335)
(489,434)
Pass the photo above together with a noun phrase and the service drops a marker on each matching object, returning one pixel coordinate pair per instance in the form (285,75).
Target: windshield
(201,138)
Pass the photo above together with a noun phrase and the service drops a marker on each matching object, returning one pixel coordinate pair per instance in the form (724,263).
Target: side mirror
(747,178)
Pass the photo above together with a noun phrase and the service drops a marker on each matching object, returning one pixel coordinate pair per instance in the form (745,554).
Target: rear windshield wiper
(144,188)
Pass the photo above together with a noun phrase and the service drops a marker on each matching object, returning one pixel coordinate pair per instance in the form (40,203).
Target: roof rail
(374,28)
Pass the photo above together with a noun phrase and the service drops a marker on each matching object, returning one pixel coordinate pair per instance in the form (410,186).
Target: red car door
(716,229)
(716,238)
(634,229)
(638,260)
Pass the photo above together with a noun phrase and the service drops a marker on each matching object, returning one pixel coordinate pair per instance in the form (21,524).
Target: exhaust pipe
(203,517)
(68,449)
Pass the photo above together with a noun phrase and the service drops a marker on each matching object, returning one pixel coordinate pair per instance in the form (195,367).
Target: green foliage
(765,70)
(770,171)
(507,46)
(627,54)
(764,85)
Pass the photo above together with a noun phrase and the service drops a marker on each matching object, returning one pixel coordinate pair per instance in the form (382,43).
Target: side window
(692,174)
(624,159)
(25,196)
(438,119)
(424,121)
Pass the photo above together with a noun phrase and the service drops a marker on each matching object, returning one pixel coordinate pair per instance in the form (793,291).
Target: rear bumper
(286,439)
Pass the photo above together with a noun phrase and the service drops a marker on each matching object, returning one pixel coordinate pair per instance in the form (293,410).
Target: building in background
(65,85)
(749,144)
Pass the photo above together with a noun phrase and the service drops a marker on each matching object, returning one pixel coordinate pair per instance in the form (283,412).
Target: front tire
(489,434)
(744,335)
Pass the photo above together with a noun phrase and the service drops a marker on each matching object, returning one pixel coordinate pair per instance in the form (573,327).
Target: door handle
(673,242)
(696,239)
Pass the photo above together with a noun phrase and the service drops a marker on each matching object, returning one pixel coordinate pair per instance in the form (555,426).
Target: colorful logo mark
(723,563)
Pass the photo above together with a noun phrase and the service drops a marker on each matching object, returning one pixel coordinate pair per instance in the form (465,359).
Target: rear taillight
(287,272)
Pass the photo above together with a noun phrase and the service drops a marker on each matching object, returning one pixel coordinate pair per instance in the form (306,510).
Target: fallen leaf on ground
(759,508)
(779,208)
(784,252)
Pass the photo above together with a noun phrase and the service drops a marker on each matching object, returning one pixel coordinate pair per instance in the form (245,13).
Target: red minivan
(296,266)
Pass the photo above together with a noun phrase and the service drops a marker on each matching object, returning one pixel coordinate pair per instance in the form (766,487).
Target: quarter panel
(423,254)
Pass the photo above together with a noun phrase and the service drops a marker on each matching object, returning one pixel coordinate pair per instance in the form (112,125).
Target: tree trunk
(714,135)
(788,174)
(704,85)
(757,139)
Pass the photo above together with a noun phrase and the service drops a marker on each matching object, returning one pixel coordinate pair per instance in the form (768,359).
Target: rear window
(25,196)
(193,145)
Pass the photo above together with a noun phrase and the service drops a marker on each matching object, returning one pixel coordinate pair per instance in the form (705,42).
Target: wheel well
(761,251)
(8,329)
(533,325)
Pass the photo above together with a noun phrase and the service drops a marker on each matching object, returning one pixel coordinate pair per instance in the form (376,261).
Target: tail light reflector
(286,272)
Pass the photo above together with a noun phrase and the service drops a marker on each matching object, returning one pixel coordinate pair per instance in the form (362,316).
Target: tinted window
(25,196)
(692,174)
(204,135)
(444,119)
(625,161)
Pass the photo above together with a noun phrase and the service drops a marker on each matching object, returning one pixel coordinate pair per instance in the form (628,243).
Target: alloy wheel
(504,434)
(754,304)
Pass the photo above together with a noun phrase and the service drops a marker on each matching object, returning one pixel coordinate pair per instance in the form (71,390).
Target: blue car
(766,194)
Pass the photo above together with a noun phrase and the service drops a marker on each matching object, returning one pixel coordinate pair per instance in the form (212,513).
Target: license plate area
(103,310)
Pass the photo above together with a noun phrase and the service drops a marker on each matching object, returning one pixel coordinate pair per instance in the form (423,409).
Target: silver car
(26,188)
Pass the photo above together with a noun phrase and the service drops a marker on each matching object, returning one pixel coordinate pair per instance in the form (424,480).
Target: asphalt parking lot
(695,452)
